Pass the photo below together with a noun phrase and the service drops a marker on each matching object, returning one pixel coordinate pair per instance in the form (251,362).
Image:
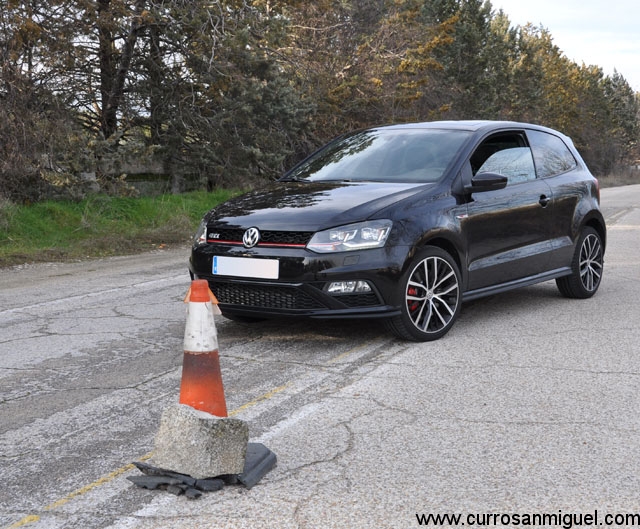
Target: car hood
(310,206)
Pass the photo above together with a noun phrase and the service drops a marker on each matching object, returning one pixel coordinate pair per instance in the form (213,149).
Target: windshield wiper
(293,179)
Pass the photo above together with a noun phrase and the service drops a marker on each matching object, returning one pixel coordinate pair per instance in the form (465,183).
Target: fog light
(348,287)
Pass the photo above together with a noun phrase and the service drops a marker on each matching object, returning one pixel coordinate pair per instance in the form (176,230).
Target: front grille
(264,296)
(286,237)
(234,235)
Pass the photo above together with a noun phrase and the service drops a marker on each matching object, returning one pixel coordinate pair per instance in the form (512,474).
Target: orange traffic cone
(201,385)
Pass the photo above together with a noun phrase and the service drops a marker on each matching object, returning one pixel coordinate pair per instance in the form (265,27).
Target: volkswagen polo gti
(404,223)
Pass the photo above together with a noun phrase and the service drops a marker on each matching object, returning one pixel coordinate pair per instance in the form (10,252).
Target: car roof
(470,125)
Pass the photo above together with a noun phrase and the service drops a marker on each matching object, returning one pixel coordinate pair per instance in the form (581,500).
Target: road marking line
(79,492)
(27,519)
(101,481)
(353,350)
(260,399)
(31,518)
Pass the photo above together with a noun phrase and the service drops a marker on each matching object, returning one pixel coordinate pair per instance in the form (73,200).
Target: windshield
(406,155)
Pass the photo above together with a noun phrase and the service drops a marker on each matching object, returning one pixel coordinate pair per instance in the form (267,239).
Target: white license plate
(246,267)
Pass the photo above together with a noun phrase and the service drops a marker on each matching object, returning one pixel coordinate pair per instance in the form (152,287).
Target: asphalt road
(529,403)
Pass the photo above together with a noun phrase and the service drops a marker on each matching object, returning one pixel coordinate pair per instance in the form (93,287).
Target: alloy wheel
(432,295)
(591,262)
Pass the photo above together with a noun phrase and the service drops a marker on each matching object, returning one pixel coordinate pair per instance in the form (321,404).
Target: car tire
(429,297)
(586,267)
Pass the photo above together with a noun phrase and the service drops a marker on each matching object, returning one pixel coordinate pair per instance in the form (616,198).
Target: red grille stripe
(267,244)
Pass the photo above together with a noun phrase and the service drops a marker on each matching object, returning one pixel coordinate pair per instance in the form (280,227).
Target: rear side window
(551,155)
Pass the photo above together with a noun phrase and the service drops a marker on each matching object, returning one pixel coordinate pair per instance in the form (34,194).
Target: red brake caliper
(413,306)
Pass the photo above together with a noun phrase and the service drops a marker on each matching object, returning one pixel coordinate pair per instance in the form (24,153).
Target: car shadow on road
(303,329)
(519,303)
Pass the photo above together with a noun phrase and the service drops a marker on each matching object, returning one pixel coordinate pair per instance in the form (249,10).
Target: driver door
(507,230)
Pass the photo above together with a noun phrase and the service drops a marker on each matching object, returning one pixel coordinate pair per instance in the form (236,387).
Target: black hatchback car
(404,223)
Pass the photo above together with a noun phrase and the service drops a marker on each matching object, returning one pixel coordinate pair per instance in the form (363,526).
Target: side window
(505,154)
(551,154)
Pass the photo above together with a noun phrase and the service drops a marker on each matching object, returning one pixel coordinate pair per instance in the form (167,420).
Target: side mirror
(487,182)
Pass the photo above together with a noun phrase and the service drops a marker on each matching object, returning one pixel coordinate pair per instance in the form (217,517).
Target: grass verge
(100,226)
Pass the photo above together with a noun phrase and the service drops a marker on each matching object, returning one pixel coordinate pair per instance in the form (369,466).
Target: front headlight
(359,236)
(201,235)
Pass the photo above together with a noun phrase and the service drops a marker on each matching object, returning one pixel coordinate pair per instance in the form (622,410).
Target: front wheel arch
(599,227)
(452,247)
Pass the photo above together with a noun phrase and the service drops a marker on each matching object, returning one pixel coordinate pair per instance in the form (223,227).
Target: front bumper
(301,289)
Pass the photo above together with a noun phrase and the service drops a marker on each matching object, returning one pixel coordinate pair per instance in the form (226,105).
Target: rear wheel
(586,267)
(430,297)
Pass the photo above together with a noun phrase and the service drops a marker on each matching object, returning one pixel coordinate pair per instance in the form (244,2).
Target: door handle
(544,200)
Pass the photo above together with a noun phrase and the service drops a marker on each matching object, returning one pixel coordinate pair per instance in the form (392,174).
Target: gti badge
(251,237)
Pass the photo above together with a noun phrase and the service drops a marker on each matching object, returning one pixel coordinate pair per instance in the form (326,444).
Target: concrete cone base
(199,444)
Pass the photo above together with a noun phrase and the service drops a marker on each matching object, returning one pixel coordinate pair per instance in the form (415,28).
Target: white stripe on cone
(200,335)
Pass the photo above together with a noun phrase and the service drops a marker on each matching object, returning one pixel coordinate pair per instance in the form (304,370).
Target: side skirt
(511,285)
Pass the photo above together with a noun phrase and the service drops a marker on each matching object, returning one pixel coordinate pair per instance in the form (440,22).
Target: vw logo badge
(251,237)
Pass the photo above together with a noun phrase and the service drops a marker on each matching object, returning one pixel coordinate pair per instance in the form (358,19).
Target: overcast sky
(601,32)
